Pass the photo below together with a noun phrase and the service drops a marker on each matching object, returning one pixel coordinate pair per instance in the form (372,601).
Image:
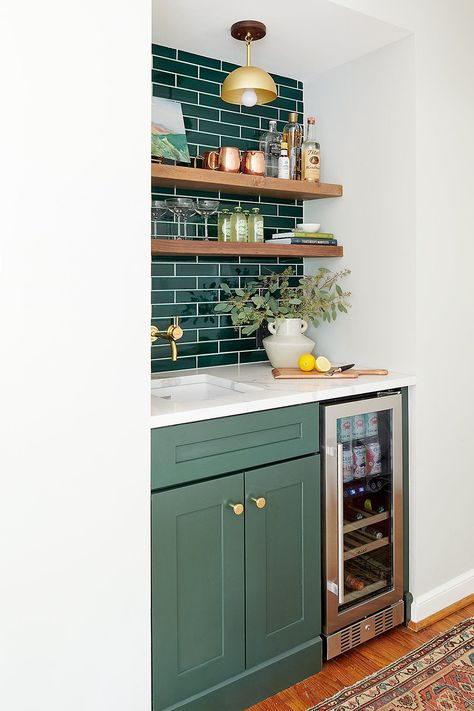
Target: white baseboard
(447,594)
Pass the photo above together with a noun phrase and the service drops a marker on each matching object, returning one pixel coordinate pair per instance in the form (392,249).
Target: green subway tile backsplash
(188,286)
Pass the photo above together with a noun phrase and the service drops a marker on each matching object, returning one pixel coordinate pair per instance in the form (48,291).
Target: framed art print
(168,135)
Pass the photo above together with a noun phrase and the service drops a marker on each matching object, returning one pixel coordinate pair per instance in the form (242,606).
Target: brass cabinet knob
(236,508)
(259,501)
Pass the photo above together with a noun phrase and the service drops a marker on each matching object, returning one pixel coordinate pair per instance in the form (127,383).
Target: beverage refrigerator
(362,455)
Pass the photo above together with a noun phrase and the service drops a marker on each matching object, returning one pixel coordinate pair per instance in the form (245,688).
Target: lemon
(306,362)
(322,364)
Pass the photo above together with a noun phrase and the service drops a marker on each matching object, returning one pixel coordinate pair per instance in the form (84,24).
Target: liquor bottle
(238,226)
(270,143)
(293,137)
(353,583)
(372,532)
(310,158)
(255,226)
(284,162)
(223,226)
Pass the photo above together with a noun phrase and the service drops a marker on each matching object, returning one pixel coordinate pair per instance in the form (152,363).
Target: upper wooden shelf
(240,249)
(174,176)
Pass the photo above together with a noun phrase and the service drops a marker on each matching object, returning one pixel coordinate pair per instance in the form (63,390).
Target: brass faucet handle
(175,331)
(154,334)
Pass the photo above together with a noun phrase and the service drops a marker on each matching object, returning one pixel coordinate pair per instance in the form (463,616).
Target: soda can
(371,424)
(344,429)
(347,474)
(358,461)
(358,427)
(374,458)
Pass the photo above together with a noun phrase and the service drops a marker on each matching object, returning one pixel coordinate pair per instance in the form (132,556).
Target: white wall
(366,126)
(74,309)
(442,552)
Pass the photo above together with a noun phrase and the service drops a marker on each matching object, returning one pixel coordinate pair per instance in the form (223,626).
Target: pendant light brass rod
(248,42)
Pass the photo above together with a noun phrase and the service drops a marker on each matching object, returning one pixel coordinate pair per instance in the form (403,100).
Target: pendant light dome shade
(248,78)
(248,85)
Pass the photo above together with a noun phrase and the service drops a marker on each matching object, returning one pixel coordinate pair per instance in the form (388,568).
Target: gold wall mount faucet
(172,334)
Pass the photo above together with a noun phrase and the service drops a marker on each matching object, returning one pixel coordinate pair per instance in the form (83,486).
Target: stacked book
(297,237)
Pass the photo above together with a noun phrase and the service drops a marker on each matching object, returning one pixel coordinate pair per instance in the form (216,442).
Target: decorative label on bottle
(311,165)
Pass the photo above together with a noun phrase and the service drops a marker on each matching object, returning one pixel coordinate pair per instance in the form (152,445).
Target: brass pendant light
(248,85)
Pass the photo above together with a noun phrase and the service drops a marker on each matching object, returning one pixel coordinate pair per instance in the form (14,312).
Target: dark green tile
(229,67)
(215,282)
(225,321)
(198,85)
(223,129)
(240,119)
(162,269)
(183,95)
(162,311)
(274,268)
(205,309)
(217,334)
(198,322)
(240,344)
(300,109)
(280,103)
(282,223)
(203,138)
(253,356)
(196,296)
(268,111)
(161,51)
(196,269)
(239,269)
(290,93)
(219,359)
(164,92)
(217,103)
(290,211)
(163,78)
(218,260)
(172,282)
(257,260)
(164,366)
(199,348)
(190,123)
(300,85)
(198,59)
(267,209)
(200,112)
(171,65)
(162,297)
(291,260)
(286,81)
(252,133)
(167,260)
(212,75)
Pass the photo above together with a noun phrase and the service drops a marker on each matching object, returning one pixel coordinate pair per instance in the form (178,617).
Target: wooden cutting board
(289,373)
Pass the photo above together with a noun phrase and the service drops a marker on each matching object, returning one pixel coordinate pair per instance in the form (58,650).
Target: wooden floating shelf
(240,249)
(174,176)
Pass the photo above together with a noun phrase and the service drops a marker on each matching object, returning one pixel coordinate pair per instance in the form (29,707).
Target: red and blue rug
(439,676)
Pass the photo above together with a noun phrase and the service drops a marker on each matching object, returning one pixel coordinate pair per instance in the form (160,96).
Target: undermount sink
(189,388)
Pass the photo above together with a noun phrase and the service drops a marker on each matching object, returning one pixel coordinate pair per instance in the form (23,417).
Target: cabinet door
(197,588)
(282,543)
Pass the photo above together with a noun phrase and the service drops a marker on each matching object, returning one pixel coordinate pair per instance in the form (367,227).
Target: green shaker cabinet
(231,591)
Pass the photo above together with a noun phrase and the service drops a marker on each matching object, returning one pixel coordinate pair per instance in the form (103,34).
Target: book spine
(298,240)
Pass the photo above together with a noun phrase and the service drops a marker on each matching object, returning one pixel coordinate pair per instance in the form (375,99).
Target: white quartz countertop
(273,393)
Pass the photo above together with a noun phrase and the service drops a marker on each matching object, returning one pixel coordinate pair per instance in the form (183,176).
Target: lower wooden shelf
(240,249)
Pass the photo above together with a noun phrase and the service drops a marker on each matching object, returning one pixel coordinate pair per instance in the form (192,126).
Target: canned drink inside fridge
(344,429)
(374,458)
(358,427)
(371,424)
(347,474)
(358,461)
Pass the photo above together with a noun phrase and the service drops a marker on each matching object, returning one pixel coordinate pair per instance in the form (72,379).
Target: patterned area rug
(439,676)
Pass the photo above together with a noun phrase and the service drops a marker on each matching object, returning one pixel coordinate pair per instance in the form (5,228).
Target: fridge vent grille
(350,637)
(383,621)
(365,629)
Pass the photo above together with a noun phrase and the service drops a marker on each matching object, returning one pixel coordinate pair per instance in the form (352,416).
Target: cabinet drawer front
(197,588)
(198,450)
(282,543)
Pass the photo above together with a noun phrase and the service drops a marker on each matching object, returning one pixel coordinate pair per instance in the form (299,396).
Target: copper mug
(226,159)
(253,163)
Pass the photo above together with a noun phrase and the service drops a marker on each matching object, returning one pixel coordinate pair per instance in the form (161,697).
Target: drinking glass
(206,208)
(182,208)
(158,208)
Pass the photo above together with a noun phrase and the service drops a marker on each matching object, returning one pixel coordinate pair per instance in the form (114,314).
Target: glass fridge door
(364,527)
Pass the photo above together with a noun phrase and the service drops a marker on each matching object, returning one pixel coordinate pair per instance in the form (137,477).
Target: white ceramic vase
(287,342)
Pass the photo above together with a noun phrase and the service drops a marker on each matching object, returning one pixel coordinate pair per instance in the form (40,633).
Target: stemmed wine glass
(158,208)
(206,208)
(182,208)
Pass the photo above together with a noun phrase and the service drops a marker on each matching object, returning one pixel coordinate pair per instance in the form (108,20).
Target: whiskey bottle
(293,137)
(310,158)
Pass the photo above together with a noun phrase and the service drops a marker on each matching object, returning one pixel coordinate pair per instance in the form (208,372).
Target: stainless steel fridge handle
(340,525)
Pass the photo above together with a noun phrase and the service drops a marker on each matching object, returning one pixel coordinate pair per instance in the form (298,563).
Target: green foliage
(316,298)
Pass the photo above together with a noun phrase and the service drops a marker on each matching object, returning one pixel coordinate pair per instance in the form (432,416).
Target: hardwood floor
(357,664)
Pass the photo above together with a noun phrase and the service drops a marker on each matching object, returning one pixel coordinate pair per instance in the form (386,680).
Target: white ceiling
(303,38)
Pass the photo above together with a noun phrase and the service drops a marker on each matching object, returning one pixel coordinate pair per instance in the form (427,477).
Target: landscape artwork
(168,135)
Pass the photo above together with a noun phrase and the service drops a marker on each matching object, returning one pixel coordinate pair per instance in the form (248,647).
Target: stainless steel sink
(198,388)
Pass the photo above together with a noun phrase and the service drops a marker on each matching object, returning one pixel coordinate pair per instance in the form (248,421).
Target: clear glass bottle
(293,137)
(223,226)
(238,226)
(310,155)
(256,226)
(270,143)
